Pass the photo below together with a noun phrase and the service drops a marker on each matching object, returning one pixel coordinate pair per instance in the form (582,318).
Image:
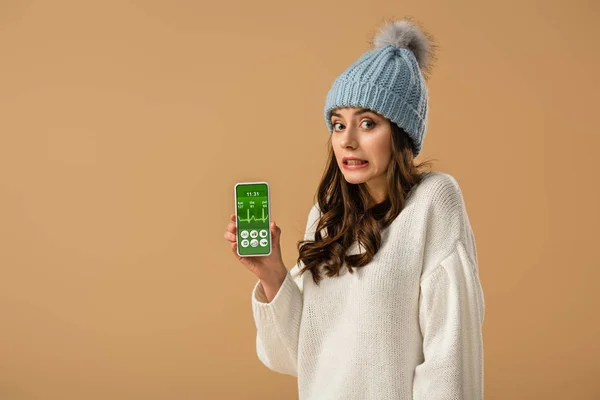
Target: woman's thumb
(275,233)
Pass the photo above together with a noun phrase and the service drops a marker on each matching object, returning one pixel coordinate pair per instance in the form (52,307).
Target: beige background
(125,124)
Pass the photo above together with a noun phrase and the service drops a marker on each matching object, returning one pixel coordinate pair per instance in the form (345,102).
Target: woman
(384,301)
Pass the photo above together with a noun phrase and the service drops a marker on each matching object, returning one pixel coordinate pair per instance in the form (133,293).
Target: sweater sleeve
(451,313)
(278,322)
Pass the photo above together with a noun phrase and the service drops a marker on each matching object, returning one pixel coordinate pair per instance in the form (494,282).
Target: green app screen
(253,237)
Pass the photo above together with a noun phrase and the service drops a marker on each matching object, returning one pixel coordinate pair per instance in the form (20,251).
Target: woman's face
(361,133)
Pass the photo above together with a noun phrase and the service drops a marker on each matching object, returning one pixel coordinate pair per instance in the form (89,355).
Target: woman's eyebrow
(357,112)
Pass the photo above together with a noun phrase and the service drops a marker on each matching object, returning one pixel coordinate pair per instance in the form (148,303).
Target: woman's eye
(370,125)
(369,122)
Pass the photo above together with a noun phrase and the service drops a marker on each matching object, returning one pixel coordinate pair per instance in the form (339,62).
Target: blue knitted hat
(389,79)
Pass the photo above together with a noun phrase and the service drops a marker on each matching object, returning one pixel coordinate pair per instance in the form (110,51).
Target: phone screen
(252,218)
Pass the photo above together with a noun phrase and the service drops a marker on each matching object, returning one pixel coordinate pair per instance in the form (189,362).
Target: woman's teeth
(355,162)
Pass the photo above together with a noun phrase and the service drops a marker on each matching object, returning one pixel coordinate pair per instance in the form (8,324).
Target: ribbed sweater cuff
(286,306)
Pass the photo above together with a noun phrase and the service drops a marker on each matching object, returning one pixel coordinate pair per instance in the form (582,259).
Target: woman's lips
(356,166)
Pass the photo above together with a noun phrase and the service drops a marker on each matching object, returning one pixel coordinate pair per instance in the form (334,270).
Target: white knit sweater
(408,325)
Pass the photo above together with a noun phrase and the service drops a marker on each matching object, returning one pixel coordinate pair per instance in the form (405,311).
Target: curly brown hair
(346,215)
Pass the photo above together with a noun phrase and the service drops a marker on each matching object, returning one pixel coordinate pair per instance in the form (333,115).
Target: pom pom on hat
(407,34)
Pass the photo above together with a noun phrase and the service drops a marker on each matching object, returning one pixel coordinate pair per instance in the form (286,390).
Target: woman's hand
(269,269)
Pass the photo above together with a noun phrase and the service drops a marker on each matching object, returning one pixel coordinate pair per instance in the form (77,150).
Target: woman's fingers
(230,236)
(231,227)
(234,251)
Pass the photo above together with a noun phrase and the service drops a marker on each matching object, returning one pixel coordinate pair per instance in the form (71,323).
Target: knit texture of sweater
(408,325)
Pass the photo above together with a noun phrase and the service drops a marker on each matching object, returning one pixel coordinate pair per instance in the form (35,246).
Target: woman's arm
(451,314)
(278,325)
(278,320)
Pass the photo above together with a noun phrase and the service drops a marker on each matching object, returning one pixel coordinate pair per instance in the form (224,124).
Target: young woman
(384,301)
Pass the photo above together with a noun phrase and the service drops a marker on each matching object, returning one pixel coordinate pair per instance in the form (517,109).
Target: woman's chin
(352,178)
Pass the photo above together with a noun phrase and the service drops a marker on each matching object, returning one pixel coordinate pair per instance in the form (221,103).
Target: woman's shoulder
(440,196)
(438,186)
(442,199)
(448,219)
(439,178)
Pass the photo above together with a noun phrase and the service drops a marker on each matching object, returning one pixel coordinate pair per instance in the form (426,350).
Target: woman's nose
(348,139)
(349,145)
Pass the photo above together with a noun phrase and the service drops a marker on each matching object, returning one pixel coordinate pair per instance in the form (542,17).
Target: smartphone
(252,218)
